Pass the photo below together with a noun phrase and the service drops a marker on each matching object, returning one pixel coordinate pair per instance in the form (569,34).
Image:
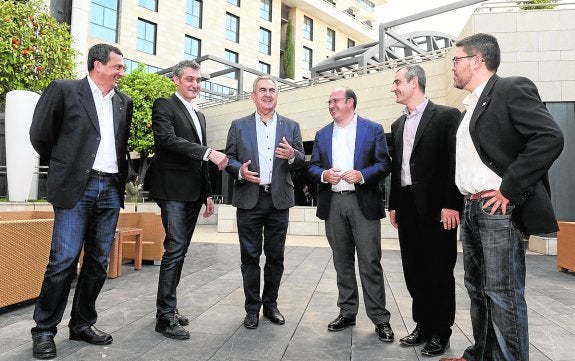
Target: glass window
(232,28)
(233,57)
(266,9)
(104,19)
(146,40)
(234,2)
(307,28)
(194,13)
(307,57)
(149,4)
(330,40)
(192,47)
(350,43)
(132,65)
(265,41)
(265,67)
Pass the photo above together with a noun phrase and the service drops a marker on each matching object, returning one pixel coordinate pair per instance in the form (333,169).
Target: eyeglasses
(336,100)
(457,58)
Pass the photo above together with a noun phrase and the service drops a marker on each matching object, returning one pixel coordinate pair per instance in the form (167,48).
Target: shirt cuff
(207,154)
(323,181)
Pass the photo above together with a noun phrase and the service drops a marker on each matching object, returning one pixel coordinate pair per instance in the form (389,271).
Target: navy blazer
(517,138)
(65,131)
(242,145)
(371,158)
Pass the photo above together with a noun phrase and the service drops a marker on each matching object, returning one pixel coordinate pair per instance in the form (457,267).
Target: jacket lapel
(253,134)
(87,101)
(482,102)
(117,105)
(360,134)
(398,140)
(327,140)
(186,114)
(428,113)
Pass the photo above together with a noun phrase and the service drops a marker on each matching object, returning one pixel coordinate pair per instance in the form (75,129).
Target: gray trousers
(348,232)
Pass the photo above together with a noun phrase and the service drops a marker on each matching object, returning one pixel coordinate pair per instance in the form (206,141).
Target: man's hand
(209,207)
(218,158)
(449,218)
(332,175)
(284,150)
(248,174)
(496,199)
(352,176)
(392,218)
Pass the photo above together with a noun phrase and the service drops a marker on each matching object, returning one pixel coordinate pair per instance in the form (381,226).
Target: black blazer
(432,162)
(65,131)
(371,158)
(178,172)
(519,140)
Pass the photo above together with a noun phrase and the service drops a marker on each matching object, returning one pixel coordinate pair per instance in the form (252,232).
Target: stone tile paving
(210,294)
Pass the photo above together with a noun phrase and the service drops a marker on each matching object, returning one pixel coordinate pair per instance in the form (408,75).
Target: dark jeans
(262,226)
(91,223)
(494,263)
(428,256)
(179,220)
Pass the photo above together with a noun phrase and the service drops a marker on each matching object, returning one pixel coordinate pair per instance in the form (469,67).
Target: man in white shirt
(349,162)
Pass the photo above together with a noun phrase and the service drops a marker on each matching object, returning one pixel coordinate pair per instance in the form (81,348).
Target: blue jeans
(494,263)
(179,220)
(90,223)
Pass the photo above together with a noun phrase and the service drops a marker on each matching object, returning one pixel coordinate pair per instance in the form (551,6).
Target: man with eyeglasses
(349,162)
(81,128)
(263,148)
(505,145)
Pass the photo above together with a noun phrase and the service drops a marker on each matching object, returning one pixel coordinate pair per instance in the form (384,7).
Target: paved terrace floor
(210,294)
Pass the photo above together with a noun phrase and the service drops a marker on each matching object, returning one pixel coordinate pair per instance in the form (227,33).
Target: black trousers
(262,227)
(428,254)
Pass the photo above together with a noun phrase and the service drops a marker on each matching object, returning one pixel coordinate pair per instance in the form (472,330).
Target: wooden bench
(116,253)
(566,247)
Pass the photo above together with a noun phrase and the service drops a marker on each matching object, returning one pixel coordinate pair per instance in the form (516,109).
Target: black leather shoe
(274,315)
(43,347)
(251,321)
(435,346)
(384,332)
(415,338)
(182,320)
(170,327)
(92,335)
(340,323)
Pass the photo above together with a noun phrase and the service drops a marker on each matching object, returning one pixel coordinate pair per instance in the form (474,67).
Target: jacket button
(98,138)
(93,155)
(87,171)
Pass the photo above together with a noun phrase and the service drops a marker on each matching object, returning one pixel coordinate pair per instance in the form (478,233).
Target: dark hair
(414,70)
(101,53)
(485,45)
(351,95)
(179,68)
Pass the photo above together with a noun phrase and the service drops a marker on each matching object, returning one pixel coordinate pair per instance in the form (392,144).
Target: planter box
(566,247)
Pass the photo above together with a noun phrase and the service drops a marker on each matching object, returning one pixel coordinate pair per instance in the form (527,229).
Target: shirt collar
(352,123)
(95,90)
(475,94)
(259,118)
(188,104)
(418,109)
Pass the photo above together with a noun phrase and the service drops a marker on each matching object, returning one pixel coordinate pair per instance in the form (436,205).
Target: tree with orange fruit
(35,49)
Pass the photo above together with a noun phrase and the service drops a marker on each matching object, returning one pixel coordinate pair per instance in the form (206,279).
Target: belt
(100,173)
(266,188)
(344,192)
(476,196)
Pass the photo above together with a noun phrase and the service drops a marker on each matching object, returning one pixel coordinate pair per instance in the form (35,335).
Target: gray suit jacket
(242,145)
(65,132)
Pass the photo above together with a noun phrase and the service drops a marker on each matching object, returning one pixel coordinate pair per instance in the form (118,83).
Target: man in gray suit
(263,148)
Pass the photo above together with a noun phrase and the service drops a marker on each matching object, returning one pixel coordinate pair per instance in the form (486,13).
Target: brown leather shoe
(452,359)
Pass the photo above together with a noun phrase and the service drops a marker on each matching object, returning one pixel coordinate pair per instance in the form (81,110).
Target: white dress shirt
(471,174)
(409,129)
(192,109)
(106,160)
(343,151)
(266,138)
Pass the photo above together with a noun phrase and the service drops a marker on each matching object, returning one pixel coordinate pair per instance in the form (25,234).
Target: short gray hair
(263,77)
(179,68)
(414,70)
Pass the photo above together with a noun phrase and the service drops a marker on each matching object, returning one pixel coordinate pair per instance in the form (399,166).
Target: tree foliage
(144,88)
(289,54)
(537,4)
(35,49)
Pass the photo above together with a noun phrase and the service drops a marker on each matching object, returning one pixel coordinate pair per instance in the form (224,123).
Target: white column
(79,30)
(21,158)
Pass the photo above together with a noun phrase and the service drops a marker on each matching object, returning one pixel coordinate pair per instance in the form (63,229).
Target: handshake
(218,158)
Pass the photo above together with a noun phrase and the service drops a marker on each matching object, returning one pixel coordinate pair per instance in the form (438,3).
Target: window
(192,47)
(233,57)
(232,28)
(194,13)
(132,65)
(146,40)
(330,40)
(234,2)
(265,67)
(104,19)
(266,9)
(350,43)
(307,28)
(265,41)
(149,4)
(307,57)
